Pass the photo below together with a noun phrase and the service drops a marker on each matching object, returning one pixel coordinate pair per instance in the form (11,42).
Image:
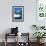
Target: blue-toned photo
(18,13)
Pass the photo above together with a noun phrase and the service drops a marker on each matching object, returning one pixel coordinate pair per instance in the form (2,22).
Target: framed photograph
(17,13)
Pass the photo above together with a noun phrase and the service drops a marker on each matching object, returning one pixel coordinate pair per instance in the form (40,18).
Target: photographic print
(17,13)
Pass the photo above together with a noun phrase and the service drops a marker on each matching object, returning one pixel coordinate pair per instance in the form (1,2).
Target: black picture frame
(17,13)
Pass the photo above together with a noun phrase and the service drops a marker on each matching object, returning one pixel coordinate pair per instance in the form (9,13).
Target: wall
(6,15)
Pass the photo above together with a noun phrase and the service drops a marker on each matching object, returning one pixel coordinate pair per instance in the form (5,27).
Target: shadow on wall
(7,31)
